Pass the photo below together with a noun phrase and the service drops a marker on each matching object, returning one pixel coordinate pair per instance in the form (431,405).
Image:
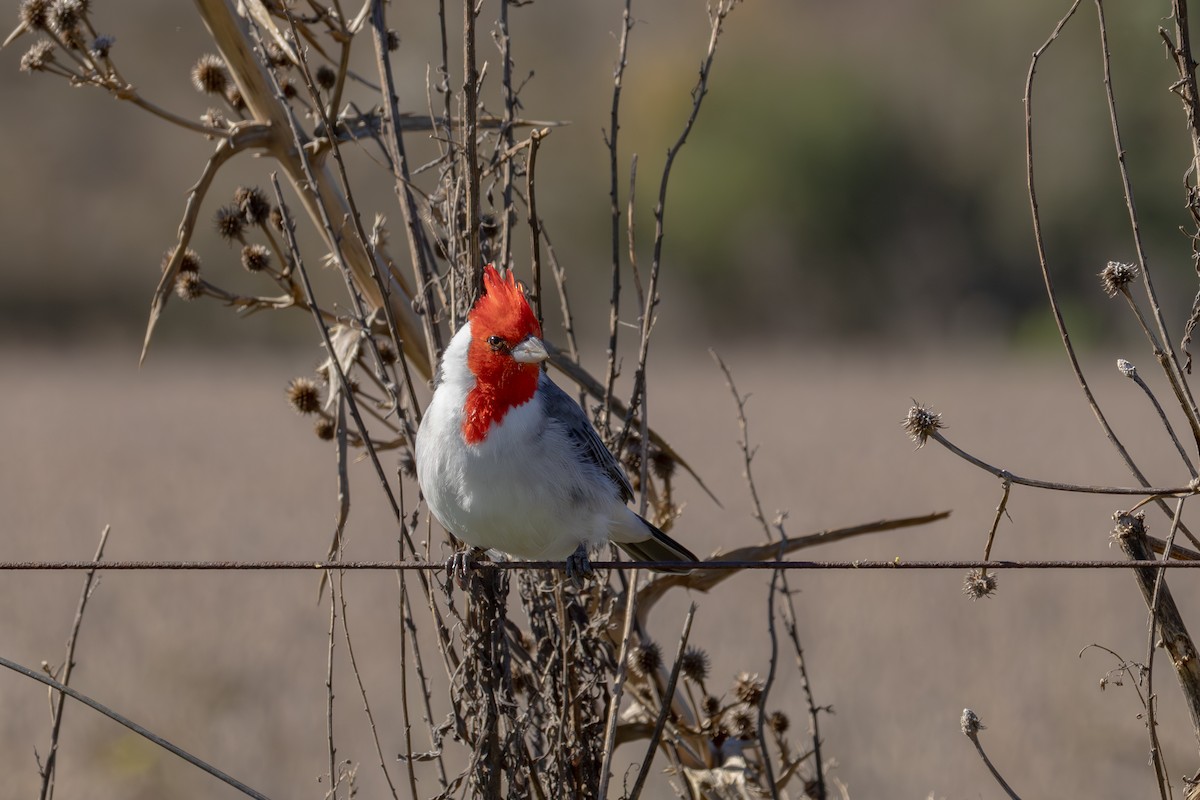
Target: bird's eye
(496,343)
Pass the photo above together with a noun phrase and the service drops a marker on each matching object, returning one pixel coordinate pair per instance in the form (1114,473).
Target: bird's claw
(459,565)
(579,565)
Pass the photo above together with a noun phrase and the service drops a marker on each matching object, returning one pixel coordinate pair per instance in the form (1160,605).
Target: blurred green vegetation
(857,172)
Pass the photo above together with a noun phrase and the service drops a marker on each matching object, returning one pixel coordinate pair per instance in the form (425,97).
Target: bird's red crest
(501,382)
(503,310)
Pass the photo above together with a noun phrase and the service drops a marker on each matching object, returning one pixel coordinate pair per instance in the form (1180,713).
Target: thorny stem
(470,115)
(47,790)
(334,775)
(535,236)
(770,681)
(615,210)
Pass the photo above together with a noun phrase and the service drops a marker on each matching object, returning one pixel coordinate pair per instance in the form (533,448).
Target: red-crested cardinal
(508,461)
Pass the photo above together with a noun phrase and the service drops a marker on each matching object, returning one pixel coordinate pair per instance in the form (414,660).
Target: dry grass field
(197,456)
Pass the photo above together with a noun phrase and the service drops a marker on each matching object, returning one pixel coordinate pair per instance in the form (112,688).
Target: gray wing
(562,407)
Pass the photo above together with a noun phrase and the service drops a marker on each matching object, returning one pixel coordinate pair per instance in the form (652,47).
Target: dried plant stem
(1130,535)
(133,726)
(789,607)
(1178,382)
(770,681)
(614,708)
(47,790)
(1004,474)
(974,737)
(1131,372)
(1168,358)
(1044,263)
(668,696)
(610,139)
(535,235)
(1157,758)
(422,273)
(334,776)
(470,152)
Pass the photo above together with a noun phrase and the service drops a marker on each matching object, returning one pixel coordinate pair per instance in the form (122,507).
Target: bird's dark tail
(660,547)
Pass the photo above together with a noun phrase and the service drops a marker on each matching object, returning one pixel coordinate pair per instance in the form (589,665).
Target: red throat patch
(501,382)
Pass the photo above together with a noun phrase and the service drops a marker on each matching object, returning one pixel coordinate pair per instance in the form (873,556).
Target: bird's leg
(459,564)
(579,565)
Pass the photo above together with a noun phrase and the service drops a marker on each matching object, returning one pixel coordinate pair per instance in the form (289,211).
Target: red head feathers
(501,319)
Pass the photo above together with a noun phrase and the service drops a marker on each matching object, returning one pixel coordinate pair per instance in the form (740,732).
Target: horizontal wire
(558,565)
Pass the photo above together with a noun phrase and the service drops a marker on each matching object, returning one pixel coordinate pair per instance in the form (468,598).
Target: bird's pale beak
(530,351)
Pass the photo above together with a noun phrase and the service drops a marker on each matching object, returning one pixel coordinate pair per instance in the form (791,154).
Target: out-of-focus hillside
(857,170)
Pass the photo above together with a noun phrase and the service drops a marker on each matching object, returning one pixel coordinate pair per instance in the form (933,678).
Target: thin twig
(535,235)
(470,152)
(133,726)
(47,790)
(1175,491)
(610,726)
(668,699)
(971,727)
(1130,371)
(331,748)
(1156,754)
(1170,362)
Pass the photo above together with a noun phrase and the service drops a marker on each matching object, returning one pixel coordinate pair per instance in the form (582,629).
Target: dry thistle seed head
(277,56)
(38,56)
(325,77)
(288,88)
(645,659)
(188,286)
(393,40)
(209,75)
(34,14)
(1116,277)
(253,204)
(748,688)
(229,222)
(970,723)
(277,219)
(213,118)
(921,423)
(694,664)
(255,257)
(65,15)
(979,584)
(1129,524)
(190,261)
(101,46)
(324,429)
(1126,369)
(304,396)
(710,705)
(779,722)
(741,723)
(387,353)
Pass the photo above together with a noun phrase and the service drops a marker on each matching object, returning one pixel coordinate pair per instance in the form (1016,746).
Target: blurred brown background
(847,226)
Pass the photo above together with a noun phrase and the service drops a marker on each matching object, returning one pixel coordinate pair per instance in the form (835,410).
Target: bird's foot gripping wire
(579,565)
(459,565)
